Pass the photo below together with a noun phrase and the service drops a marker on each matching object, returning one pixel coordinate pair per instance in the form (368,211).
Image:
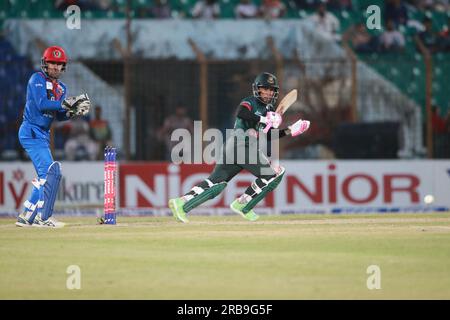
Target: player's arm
(281,134)
(63,115)
(78,105)
(294,130)
(39,95)
(245,113)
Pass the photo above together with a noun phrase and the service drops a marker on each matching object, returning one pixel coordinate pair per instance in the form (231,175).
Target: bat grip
(266,129)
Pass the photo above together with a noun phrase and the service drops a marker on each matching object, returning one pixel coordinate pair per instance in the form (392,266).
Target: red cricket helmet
(53,54)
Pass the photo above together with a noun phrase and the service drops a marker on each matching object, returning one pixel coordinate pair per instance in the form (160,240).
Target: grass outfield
(278,257)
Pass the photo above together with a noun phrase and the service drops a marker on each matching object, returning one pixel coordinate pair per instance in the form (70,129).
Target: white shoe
(49,223)
(23,220)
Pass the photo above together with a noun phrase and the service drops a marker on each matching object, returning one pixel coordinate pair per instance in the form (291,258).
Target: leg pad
(261,192)
(51,186)
(203,195)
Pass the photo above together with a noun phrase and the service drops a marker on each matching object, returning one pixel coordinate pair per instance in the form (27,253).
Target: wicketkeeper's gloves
(77,106)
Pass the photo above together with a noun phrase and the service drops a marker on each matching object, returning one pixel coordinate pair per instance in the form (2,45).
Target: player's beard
(55,74)
(267,99)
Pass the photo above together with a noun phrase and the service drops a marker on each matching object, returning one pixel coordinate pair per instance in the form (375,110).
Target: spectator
(429,37)
(305,4)
(360,39)
(178,120)
(63,4)
(272,9)
(206,9)
(442,5)
(161,10)
(100,131)
(80,146)
(437,122)
(396,11)
(391,40)
(444,37)
(425,4)
(439,128)
(325,22)
(431,5)
(447,126)
(246,9)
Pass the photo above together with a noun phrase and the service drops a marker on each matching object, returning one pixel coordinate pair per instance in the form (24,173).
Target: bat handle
(266,129)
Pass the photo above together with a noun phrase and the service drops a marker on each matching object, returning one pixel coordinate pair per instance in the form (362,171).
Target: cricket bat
(284,104)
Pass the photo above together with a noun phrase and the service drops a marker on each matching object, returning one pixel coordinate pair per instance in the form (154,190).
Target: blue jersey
(43,105)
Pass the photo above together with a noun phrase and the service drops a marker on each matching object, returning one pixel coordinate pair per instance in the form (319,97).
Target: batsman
(255,116)
(46,101)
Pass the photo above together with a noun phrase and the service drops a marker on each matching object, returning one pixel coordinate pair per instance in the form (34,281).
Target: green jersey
(256,107)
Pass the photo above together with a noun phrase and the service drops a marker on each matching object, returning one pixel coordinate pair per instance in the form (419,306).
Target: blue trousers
(38,149)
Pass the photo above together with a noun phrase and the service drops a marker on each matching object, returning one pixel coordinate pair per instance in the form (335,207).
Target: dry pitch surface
(278,257)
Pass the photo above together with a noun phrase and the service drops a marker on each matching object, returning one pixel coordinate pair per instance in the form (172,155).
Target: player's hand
(77,106)
(83,107)
(299,127)
(67,106)
(273,120)
(68,102)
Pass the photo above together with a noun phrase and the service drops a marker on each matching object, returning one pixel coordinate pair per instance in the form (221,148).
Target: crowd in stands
(392,39)
(322,14)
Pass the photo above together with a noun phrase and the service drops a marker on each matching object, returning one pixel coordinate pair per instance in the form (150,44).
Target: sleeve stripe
(246,105)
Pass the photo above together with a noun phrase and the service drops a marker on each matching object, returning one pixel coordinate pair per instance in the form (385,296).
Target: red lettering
(332,182)
(315,196)
(411,188)
(346,188)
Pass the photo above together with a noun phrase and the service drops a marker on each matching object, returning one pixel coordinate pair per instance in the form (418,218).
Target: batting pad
(262,192)
(204,195)
(51,186)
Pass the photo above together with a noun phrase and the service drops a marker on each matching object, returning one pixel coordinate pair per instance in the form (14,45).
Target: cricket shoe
(49,223)
(237,207)
(176,206)
(23,220)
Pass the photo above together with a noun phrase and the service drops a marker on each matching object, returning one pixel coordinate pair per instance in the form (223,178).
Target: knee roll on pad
(203,195)
(35,182)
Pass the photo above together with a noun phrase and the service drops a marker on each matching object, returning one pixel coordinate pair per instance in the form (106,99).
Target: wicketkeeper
(46,101)
(254,114)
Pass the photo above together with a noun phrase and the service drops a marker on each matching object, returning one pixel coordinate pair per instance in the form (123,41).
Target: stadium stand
(14,73)
(398,70)
(406,71)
